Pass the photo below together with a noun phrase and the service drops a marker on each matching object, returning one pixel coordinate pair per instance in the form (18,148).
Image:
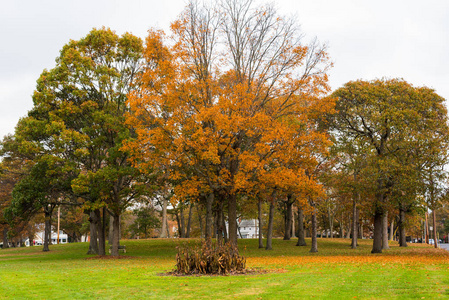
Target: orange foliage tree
(229,106)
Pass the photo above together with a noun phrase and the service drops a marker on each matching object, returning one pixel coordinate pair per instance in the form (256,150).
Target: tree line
(229,113)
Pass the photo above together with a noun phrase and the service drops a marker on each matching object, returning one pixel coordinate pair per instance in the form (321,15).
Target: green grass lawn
(335,272)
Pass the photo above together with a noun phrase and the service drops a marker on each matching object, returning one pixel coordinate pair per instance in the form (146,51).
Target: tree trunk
(426,230)
(331,224)
(5,238)
(301,239)
(215,221)
(391,229)
(314,247)
(293,223)
(101,233)
(435,238)
(31,238)
(209,218)
(223,224)
(232,215)
(200,221)
(288,218)
(342,232)
(401,224)
(164,218)
(354,224)
(385,231)
(111,229)
(270,226)
(168,228)
(220,224)
(93,243)
(360,226)
(349,231)
(47,230)
(259,217)
(183,223)
(178,221)
(115,235)
(377,237)
(189,221)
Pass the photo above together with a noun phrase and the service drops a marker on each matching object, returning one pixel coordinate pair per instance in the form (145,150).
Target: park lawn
(335,272)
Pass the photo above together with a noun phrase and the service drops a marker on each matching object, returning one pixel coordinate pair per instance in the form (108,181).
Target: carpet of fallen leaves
(416,255)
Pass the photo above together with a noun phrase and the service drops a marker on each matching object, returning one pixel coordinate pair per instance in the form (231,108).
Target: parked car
(431,241)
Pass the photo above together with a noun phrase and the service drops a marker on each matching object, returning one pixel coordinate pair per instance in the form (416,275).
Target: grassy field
(335,272)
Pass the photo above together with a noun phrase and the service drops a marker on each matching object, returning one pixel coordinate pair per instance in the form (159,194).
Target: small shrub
(214,259)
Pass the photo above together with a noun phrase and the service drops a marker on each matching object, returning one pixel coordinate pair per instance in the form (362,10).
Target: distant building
(39,238)
(247,229)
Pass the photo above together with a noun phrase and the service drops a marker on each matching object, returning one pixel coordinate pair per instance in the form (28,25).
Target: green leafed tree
(397,121)
(78,117)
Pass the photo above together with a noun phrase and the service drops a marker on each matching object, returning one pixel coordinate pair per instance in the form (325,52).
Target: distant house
(247,229)
(39,238)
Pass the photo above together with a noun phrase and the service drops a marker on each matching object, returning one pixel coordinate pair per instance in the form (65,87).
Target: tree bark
(30,235)
(200,221)
(215,221)
(301,239)
(426,230)
(435,238)
(93,243)
(223,224)
(391,229)
(341,233)
(377,237)
(348,232)
(183,223)
(288,218)
(354,224)
(259,217)
(209,218)
(189,221)
(401,224)
(115,235)
(164,218)
(101,233)
(232,215)
(360,226)
(293,223)
(5,238)
(385,245)
(47,230)
(220,224)
(270,226)
(179,223)
(314,247)
(111,229)
(331,222)
(168,228)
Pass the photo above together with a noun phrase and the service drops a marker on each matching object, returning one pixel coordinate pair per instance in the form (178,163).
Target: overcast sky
(367,39)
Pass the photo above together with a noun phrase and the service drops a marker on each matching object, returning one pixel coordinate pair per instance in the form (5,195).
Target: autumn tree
(393,118)
(217,108)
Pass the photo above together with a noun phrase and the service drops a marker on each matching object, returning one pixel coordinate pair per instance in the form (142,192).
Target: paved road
(444,246)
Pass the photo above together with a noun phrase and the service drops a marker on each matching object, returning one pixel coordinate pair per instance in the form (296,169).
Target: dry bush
(214,259)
